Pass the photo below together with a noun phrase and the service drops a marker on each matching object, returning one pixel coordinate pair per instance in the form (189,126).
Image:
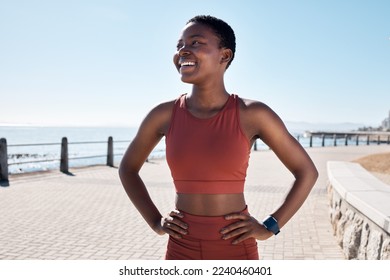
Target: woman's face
(199,56)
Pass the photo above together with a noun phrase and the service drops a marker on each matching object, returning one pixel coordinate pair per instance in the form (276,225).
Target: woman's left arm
(295,158)
(261,122)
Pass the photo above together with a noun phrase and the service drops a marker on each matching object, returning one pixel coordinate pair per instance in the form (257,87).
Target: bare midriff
(210,204)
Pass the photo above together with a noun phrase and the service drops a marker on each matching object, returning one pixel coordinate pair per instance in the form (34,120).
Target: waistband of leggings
(207,227)
(201,218)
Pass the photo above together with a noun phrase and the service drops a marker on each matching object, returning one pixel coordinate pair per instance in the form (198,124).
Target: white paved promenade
(88,215)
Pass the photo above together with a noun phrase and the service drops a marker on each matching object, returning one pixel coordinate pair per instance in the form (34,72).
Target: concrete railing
(359,211)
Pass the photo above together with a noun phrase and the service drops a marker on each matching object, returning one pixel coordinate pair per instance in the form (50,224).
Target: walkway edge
(359,210)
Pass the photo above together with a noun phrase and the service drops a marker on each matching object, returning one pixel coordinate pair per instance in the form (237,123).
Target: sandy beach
(378,165)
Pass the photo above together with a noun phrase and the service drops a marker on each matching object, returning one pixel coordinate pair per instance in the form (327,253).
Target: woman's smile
(186,66)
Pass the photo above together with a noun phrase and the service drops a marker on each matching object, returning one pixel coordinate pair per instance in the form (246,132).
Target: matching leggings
(204,241)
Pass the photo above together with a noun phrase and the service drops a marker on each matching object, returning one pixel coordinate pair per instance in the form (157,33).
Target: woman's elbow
(123,170)
(308,174)
(120,169)
(127,171)
(312,174)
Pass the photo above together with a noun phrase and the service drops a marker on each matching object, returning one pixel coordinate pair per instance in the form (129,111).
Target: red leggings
(204,241)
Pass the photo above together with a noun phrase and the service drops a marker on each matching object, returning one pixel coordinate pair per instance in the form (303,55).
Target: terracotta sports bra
(207,156)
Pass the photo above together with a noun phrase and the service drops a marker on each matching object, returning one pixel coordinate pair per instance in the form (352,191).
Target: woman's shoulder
(159,117)
(252,106)
(258,118)
(258,112)
(165,107)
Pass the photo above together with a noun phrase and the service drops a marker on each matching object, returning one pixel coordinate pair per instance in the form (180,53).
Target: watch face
(271,224)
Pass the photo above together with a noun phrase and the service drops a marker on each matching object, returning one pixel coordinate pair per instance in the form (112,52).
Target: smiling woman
(209,133)
(200,48)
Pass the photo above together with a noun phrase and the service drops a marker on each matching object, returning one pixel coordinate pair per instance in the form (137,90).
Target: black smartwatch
(271,224)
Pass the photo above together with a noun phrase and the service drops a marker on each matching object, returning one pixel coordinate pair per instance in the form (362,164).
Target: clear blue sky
(107,62)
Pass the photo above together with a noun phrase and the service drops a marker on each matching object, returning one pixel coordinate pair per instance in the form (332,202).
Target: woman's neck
(208,97)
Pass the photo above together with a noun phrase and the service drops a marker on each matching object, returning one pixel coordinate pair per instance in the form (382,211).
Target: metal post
(323,140)
(379,139)
(3,160)
(110,152)
(368,140)
(64,164)
(311,141)
(346,139)
(334,140)
(357,140)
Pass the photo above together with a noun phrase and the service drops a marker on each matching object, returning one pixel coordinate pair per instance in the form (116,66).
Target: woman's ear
(227,55)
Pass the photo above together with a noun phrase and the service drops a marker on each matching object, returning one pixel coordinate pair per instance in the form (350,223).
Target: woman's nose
(183,51)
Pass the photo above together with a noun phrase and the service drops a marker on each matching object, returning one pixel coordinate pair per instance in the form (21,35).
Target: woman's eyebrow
(193,36)
(197,35)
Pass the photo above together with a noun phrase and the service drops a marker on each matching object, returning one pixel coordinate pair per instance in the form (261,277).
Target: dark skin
(202,62)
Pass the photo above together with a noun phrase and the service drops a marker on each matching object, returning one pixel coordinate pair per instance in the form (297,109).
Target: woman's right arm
(150,132)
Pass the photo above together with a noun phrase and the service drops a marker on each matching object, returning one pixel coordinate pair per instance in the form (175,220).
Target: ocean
(50,150)
(46,156)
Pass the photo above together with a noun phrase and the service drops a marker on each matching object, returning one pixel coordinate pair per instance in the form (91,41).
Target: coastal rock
(335,217)
(340,228)
(385,252)
(362,255)
(351,241)
(352,236)
(374,245)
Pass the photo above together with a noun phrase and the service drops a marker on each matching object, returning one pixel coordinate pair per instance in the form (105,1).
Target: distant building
(386,123)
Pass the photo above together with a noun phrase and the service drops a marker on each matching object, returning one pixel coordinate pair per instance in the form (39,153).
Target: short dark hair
(223,30)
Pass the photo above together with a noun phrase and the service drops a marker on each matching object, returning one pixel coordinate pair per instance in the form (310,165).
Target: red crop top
(207,156)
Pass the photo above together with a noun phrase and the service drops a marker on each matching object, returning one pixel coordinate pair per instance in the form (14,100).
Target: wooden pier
(368,137)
